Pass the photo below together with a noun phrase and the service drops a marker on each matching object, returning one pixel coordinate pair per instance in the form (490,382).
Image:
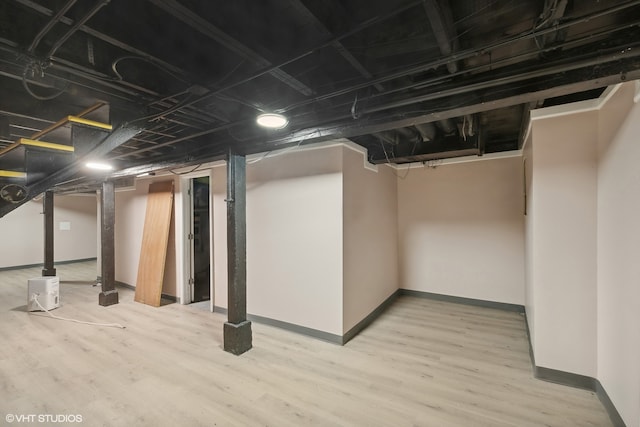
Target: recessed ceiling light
(99,166)
(272,120)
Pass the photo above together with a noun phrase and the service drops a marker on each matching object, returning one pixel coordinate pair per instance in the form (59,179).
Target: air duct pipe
(427,131)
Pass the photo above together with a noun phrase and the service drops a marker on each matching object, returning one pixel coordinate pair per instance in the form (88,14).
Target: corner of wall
(370,270)
(611,348)
(618,351)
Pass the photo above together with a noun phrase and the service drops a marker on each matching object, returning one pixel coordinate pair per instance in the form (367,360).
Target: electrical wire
(354,112)
(239,101)
(169,110)
(467,53)
(34,298)
(32,67)
(464,124)
(187,172)
(397,175)
(114,67)
(229,74)
(286,150)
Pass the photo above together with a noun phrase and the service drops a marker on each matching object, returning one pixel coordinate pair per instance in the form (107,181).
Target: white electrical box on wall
(47,289)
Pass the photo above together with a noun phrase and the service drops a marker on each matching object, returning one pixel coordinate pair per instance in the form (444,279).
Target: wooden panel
(155,238)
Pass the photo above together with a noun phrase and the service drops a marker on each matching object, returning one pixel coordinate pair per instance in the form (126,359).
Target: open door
(199,238)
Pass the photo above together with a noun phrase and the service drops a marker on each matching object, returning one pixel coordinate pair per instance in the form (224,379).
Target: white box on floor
(47,289)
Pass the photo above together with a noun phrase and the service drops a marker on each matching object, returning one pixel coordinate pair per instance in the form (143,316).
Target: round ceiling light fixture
(272,120)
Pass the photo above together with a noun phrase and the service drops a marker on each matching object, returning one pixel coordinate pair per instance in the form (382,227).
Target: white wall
(564,249)
(583,298)
(529,233)
(24,229)
(461,230)
(370,237)
(619,253)
(294,238)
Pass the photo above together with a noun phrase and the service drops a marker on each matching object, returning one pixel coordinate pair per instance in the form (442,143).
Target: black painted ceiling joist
(103,37)
(457,106)
(413,151)
(379,65)
(99,150)
(550,17)
(441,20)
(471,52)
(195,21)
(321,29)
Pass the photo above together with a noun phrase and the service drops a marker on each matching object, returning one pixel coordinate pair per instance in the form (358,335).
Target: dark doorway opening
(200,242)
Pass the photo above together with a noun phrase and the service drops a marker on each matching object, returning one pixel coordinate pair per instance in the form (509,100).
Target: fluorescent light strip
(99,166)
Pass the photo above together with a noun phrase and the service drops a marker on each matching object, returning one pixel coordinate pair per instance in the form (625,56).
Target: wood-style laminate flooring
(422,363)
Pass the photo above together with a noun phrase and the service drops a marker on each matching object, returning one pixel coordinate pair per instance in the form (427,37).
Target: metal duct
(387,136)
(447,126)
(409,135)
(427,131)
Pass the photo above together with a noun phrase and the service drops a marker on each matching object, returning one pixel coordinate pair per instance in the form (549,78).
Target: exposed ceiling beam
(76,26)
(471,52)
(15,104)
(196,136)
(472,102)
(100,36)
(427,90)
(57,77)
(407,151)
(553,12)
(127,101)
(306,52)
(112,141)
(506,95)
(208,29)
(512,75)
(56,18)
(322,30)
(266,70)
(551,15)
(441,20)
(186,76)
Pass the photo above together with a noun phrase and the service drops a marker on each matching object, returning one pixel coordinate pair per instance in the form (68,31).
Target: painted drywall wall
(370,237)
(618,268)
(74,231)
(461,230)
(529,298)
(129,225)
(563,212)
(294,238)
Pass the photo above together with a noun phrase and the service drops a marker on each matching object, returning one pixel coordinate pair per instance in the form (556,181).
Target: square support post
(237,329)
(109,294)
(47,205)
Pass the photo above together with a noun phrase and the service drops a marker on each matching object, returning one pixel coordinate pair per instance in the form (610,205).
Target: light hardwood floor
(422,363)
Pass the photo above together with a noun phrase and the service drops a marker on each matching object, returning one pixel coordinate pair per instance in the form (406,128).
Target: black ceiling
(408,80)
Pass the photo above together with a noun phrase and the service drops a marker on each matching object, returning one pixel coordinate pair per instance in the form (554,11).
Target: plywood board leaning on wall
(155,237)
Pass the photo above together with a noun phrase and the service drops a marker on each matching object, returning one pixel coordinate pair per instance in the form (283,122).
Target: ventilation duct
(448,126)
(409,135)
(389,137)
(427,131)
